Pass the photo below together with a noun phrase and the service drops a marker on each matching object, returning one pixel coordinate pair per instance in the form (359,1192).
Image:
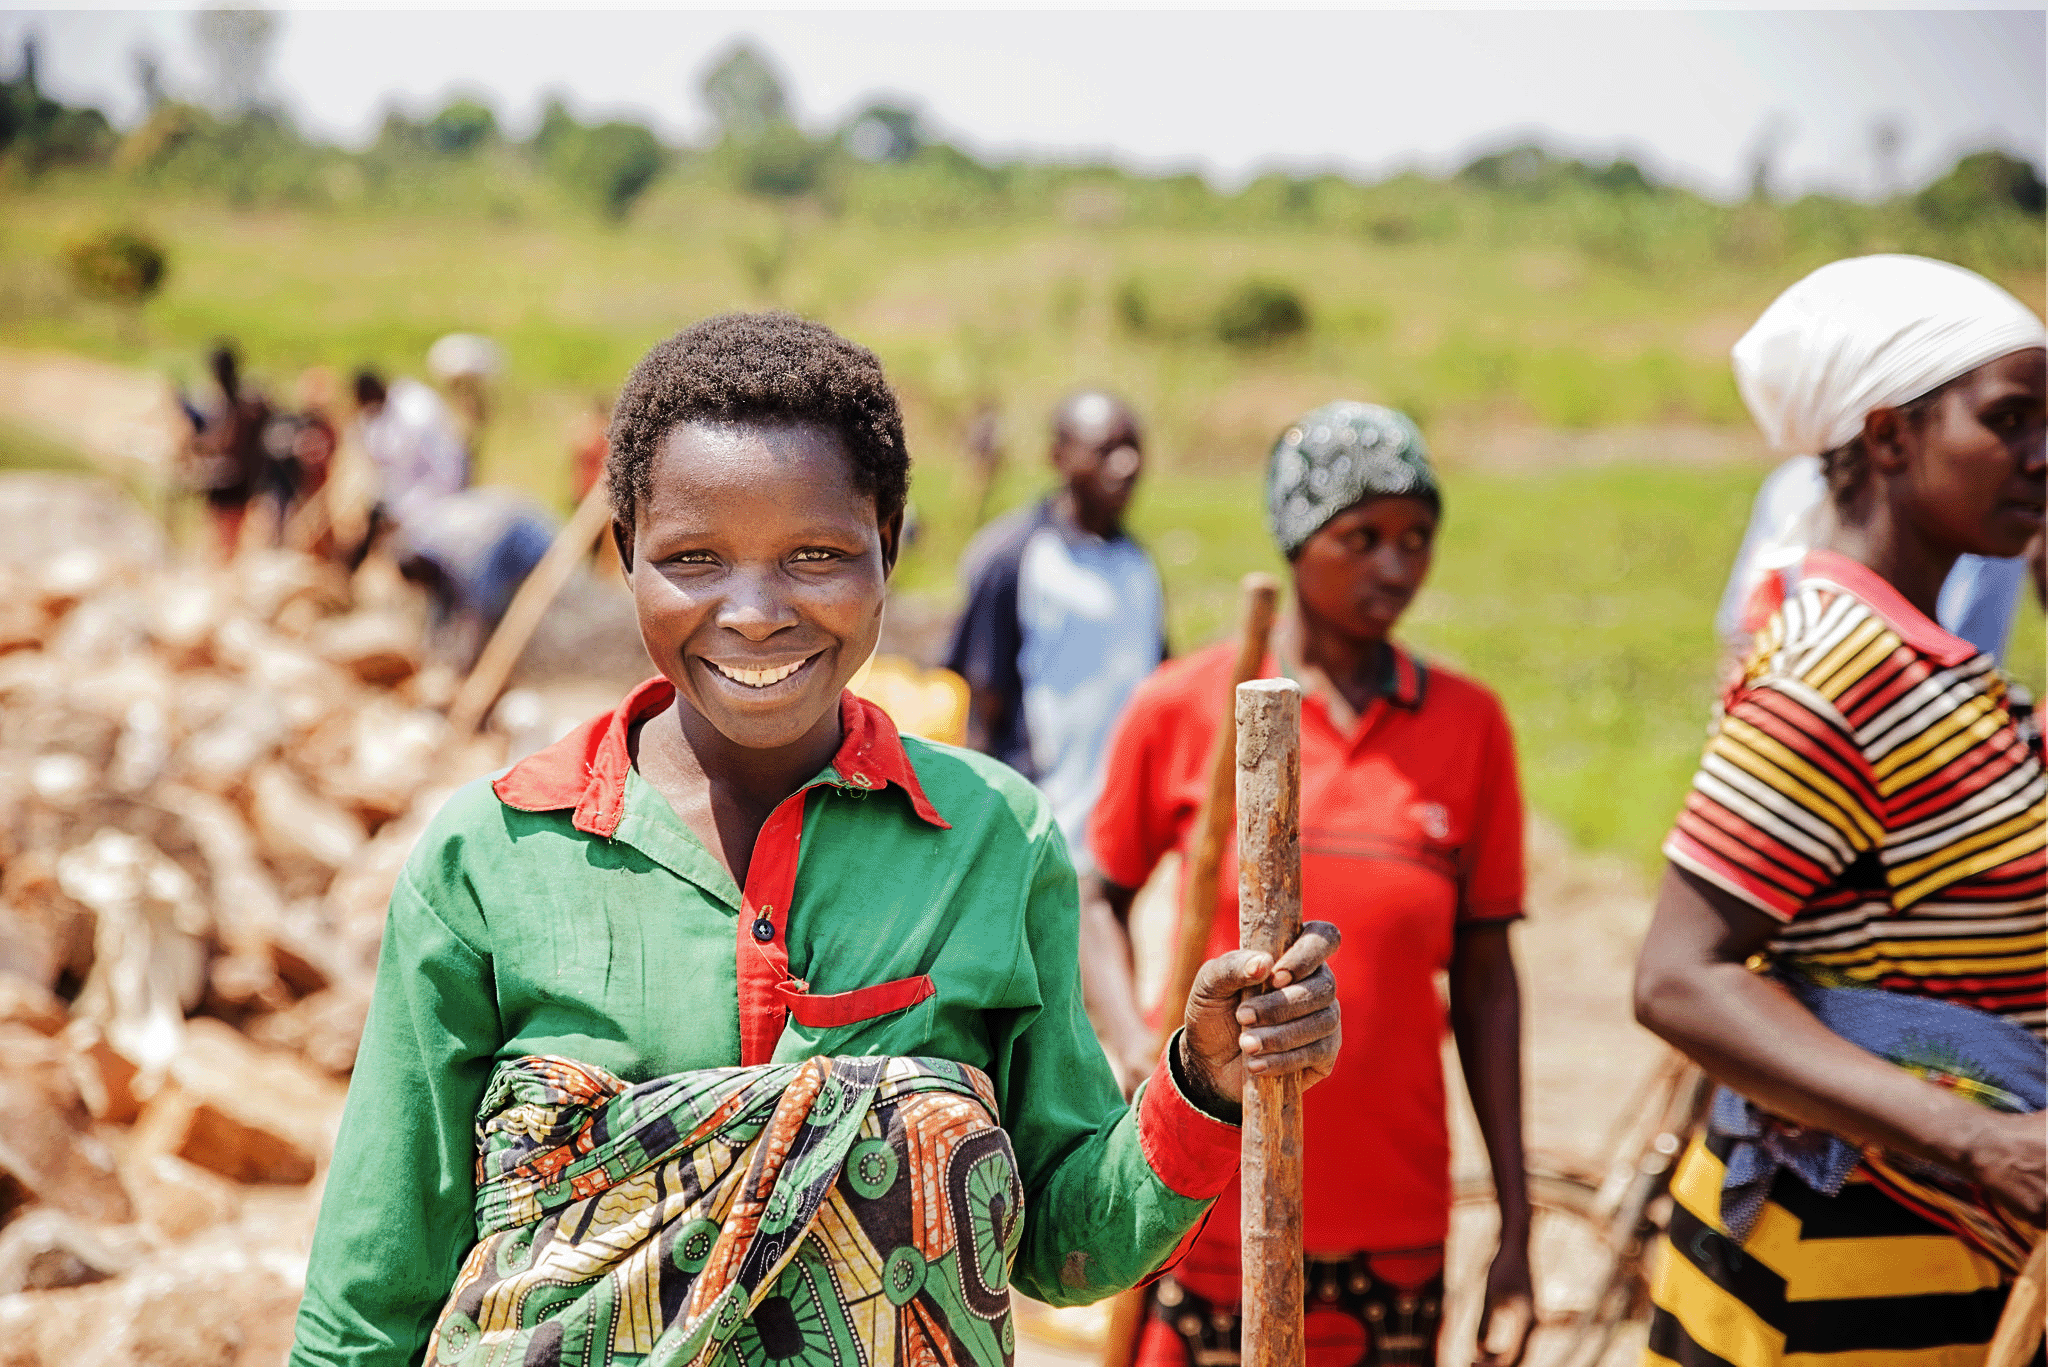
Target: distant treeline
(885,166)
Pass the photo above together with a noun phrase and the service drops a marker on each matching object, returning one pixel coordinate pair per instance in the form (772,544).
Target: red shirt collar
(586,769)
(1403,678)
(1914,627)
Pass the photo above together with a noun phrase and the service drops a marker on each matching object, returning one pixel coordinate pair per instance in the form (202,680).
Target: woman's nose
(753,606)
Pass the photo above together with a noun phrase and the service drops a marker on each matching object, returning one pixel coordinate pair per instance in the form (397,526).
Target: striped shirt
(1874,784)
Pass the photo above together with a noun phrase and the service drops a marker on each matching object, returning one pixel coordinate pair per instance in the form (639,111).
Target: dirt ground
(1585,1056)
(126,419)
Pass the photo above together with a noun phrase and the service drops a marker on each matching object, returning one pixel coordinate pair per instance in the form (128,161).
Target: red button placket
(763,957)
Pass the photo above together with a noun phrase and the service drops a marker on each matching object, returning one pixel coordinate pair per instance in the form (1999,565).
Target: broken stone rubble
(209,780)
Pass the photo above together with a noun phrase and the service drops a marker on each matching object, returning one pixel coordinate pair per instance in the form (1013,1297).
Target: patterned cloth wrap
(836,1212)
(1340,454)
(1992,1061)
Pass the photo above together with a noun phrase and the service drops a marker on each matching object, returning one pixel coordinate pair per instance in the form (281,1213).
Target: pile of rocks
(209,780)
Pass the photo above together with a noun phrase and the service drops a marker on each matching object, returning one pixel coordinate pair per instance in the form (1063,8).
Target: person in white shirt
(413,441)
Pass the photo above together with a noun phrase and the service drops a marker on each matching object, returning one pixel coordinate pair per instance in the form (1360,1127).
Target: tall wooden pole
(1269,920)
(1258,595)
(2019,1334)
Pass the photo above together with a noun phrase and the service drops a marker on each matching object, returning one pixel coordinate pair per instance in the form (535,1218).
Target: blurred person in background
(589,446)
(1849,932)
(298,449)
(1064,616)
(1411,844)
(317,437)
(465,364)
(227,458)
(412,440)
(470,551)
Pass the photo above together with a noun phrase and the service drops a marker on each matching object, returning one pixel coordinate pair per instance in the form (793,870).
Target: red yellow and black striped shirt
(1874,784)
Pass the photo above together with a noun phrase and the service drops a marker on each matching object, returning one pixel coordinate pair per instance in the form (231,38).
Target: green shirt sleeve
(1099,1215)
(396,1218)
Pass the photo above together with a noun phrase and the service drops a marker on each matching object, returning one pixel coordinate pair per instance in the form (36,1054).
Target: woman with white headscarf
(1850,932)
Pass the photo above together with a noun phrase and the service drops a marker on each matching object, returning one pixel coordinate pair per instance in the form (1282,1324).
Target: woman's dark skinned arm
(1109,987)
(1486,1020)
(1693,989)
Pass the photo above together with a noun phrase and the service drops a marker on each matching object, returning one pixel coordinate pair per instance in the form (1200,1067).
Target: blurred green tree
(37,132)
(122,266)
(1260,313)
(608,165)
(462,127)
(884,133)
(1983,183)
(744,94)
(781,162)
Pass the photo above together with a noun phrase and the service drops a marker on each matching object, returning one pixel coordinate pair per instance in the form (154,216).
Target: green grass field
(1582,592)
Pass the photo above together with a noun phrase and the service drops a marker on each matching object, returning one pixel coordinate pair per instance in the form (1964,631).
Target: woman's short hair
(1847,466)
(766,368)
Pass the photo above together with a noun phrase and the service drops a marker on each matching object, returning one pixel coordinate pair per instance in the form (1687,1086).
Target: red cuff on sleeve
(1192,1151)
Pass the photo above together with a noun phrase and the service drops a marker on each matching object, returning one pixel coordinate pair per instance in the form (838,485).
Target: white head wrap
(1866,333)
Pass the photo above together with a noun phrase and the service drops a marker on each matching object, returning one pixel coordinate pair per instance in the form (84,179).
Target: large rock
(149,947)
(106,1078)
(216,1303)
(44,935)
(48,1152)
(23,1001)
(50,517)
(248,1113)
(380,648)
(294,823)
(46,1249)
(325,1029)
(175,1199)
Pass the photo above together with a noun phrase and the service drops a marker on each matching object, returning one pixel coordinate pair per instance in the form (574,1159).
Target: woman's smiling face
(758,573)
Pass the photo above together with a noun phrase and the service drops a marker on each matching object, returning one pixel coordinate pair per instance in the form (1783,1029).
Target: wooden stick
(2019,1329)
(1257,595)
(536,594)
(1269,920)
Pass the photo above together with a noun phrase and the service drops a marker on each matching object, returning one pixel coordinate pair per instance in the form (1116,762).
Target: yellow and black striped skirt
(1853,1280)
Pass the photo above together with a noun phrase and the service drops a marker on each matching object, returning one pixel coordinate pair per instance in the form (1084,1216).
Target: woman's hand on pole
(1240,1024)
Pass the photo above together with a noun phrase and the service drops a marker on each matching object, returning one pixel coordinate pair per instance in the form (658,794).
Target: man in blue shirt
(1064,617)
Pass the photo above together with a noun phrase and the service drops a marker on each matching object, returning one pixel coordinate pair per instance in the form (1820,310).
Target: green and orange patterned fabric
(838,1212)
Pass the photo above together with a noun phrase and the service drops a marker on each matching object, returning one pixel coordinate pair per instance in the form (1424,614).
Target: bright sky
(1225,92)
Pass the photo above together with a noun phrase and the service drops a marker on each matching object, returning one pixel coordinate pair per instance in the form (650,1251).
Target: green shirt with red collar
(912,899)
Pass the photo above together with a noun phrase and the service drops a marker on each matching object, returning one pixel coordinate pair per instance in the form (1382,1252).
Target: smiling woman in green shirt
(663,1010)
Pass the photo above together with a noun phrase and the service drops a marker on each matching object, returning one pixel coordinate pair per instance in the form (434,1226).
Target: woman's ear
(622,541)
(1884,439)
(892,541)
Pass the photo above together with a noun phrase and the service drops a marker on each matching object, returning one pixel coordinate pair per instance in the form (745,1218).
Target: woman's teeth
(758,678)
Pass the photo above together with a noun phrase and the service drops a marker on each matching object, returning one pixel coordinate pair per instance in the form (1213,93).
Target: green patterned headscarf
(1336,456)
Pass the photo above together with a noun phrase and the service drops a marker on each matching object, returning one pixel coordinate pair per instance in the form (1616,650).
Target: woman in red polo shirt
(1411,842)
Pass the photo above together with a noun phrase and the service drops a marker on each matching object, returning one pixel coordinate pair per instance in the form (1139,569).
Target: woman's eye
(815,554)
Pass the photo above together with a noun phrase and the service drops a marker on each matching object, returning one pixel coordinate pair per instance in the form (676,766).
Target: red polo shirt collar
(586,769)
